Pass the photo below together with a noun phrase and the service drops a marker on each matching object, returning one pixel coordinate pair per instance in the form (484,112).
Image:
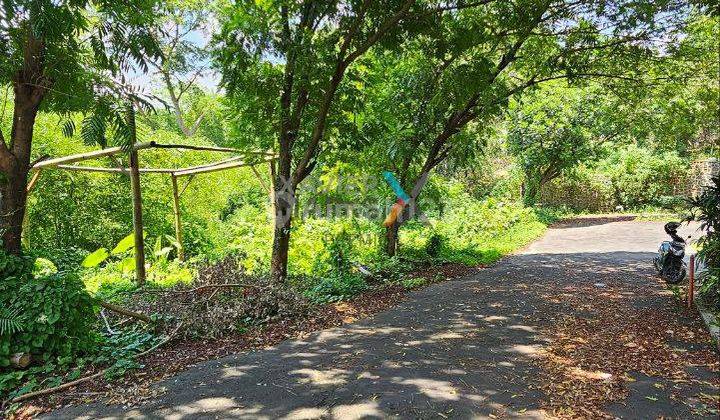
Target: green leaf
(95,258)
(163,252)
(127,265)
(172,241)
(124,244)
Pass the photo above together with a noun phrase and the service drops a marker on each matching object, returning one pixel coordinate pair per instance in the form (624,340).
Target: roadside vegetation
(497,129)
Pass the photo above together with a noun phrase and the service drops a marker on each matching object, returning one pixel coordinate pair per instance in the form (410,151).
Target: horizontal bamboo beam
(207,148)
(145,170)
(114,170)
(218,167)
(207,165)
(63,162)
(88,155)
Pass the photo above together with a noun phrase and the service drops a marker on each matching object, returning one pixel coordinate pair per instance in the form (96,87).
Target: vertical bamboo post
(137,218)
(691,282)
(176,211)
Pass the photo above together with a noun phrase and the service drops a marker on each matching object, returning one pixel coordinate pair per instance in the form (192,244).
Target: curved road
(468,348)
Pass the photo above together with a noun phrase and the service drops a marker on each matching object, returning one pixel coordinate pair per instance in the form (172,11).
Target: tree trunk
(281,239)
(530,193)
(13,210)
(283,202)
(15,165)
(29,87)
(391,239)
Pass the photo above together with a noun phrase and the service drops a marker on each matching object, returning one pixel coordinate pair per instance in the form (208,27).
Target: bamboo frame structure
(134,172)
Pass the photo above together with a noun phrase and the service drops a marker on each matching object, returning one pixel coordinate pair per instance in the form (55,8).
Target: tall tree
(286,61)
(555,128)
(181,33)
(465,68)
(56,57)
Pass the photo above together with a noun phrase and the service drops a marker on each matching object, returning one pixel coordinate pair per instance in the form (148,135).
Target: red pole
(691,282)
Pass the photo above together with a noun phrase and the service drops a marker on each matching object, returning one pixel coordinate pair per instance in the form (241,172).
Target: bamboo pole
(207,148)
(33,181)
(691,282)
(257,175)
(114,170)
(145,170)
(178,226)
(88,155)
(187,184)
(123,311)
(26,215)
(137,219)
(214,168)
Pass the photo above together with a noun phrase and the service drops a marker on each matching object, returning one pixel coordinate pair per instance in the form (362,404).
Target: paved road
(460,349)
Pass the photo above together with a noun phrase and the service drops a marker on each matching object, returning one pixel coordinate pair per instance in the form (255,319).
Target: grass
(492,249)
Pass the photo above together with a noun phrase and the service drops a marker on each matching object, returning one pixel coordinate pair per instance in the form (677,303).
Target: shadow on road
(460,349)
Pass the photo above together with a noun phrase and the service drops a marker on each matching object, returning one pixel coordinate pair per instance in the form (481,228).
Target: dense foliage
(706,209)
(55,317)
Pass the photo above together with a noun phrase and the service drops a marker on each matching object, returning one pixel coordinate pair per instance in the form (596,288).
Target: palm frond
(68,128)
(10,321)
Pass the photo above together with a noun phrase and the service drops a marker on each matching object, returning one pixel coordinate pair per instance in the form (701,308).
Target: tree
(683,112)
(552,131)
(183,59)
(285,62)
(462,72)
(58,56)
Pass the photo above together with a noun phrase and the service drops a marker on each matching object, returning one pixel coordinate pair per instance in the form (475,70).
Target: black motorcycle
(670,262)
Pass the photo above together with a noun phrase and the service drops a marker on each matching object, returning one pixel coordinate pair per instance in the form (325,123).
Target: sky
(209,80)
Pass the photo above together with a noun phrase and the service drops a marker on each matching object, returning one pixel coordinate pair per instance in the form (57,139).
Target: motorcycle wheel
(656,264)
(675,276)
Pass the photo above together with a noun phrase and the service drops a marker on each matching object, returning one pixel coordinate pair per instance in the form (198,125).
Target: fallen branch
(76,382)
(123,311)
(215,286)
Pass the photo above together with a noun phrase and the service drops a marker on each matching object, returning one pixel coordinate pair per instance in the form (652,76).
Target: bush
(44,267)
(340,253)
(413,283)
(214,312)
(583,190)
(54,316)
(630,177)
(706,210)
(435,244)
(336,288)
(641,177)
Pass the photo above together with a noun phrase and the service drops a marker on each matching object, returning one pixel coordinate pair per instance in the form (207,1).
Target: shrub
(336,288)
(583,190)
(706,210)
(340,253)
(65,259)
(435,244)
(216,311)
(55,316)
(44,267)
(413,283)
(641,177)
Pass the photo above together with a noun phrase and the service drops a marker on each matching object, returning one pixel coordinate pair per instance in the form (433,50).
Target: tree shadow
(591,221)
(461,349)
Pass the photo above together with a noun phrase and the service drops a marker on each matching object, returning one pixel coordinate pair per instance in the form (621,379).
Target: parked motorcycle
(670,262)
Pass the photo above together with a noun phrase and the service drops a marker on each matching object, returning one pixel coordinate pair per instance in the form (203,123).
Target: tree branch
(380,32)
(301,171)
